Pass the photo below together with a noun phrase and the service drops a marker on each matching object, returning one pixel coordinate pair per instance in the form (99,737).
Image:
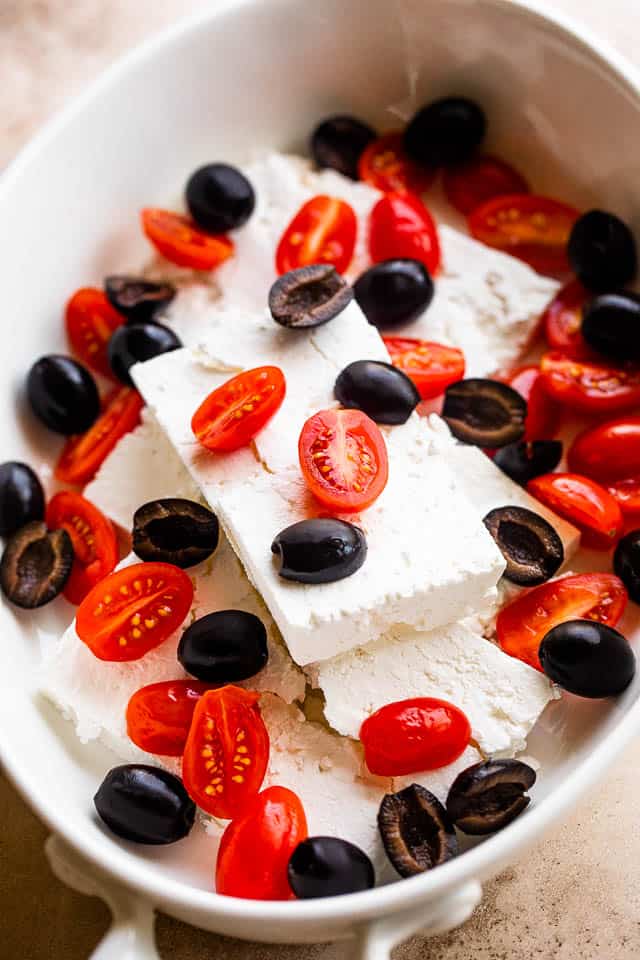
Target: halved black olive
(416,831)
(383,392)
(329,867)
(136,344)
(320,550)
(145,804)
(176,531)
(445,132)
(309,296)
(602,251)
(394,292)
(626,563)
(338,143)
(611,325)
(532,548)
(224,647)
(139,300)
(484,413)
(524,461)
(35,565)
(63,394)
(220,197)
(489,795)
(21,497)
(587,658)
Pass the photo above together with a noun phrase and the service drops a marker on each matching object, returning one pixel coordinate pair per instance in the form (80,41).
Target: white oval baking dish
(245,76)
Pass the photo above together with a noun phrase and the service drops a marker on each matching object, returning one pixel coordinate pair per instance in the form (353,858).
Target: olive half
(21,497)
(416,831)
(489,795)
(531,547)
(309,296)
(137,299)
(224,647)
(35,565)
(320,550)
(145,804)
(524,461)
(175,531)
(587,658)
(484,413)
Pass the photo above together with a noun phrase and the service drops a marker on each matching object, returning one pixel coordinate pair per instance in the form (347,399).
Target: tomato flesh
(322,231)
(264,837)
(609,451)
(90,320)
(134,610)
(227,750)
(590,386)
(385,165)
(180,241)
(485,177)
(522,625)
(431,366)
(401,226)
(543,413)
(159,715)
(562,320)
(234,413)
(582,502)
(95,544)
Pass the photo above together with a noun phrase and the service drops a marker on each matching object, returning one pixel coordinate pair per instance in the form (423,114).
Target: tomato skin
(180,241)
(562,320)
(590,386)
(609,451)
(522,624)
(582,502)
(485,177)
(95,544)
(431,366)
(265,836)
(323,231)
(385,165)
(90,320)
(401,226)
(159,715)
(543,414)
(142,605)
(227,751)
(351,446)
(627,495)
(222,421)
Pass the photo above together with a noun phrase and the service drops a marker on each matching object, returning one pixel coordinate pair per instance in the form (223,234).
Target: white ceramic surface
(248,76)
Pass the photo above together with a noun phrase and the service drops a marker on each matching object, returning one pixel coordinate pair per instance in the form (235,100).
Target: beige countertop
(576,896)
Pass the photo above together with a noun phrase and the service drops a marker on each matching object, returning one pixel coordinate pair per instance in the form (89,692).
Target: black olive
(309,296)
(35,565)
(626,563)
(416,831)
(394,292)
(145,804)
(63,394)
(587,658)
(136,344)
(224,647)
(524,461)
(220,197)
(338,142)
(602,251)
(137,299)
(329,867)
(532,548)
(175,531)
(489,795)
(383,392)
(445,132)
(611,325)
(319,550)
(485,413)
(21,497)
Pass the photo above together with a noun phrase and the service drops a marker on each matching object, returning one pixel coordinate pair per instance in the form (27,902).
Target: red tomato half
(90,320)
(159,715)
(234,413)
(401,226)
(95,545)
(414,735)
(534,229)
(590,386)
(582,502)
(626,493)
(522,625)
(227,751)
(470,185)
(609,451)
(386,166)
(255,849)
(82,456)
(180,241)
(431,366)
(562,320)
(322,231)
(343,458)
(543,413)
(134,610)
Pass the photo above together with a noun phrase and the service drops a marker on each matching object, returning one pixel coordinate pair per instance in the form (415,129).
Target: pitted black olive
(489,795)
(602,251)
(524,461)
(137,299)
(394,292)
(35,565)
(174,530)
(587,658)
(136,344)
(329,867)
(626,563)
(63,394)
(21,497)
(338,143)
(220,197)
(445,132)
(309,296)
(383,392)
(611,325)
(532,548)
(319,550)
(416,831)
(224,647)
(145,804)
(484,413)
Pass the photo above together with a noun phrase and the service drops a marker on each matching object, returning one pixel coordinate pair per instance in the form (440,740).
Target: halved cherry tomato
(414,735)
(522,624)
(255,849)
(582,502)
(159,715)
(90,320)
(180,241)
(609,451)
(626,493)
(385,165)
(562,320)
(401,226)
(343,458)
(534,229)
(470,185)
(431,366)
(95,544)
(590,386)
(235,412)
(83,455)
(227,750)
(322,231)
(543,413)
(134,610)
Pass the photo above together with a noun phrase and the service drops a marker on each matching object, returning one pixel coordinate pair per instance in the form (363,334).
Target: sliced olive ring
(484,413)
(35,565)
(136,298)
(531,547)
(175,531)
(416,831)
(309,296)
(489,795)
